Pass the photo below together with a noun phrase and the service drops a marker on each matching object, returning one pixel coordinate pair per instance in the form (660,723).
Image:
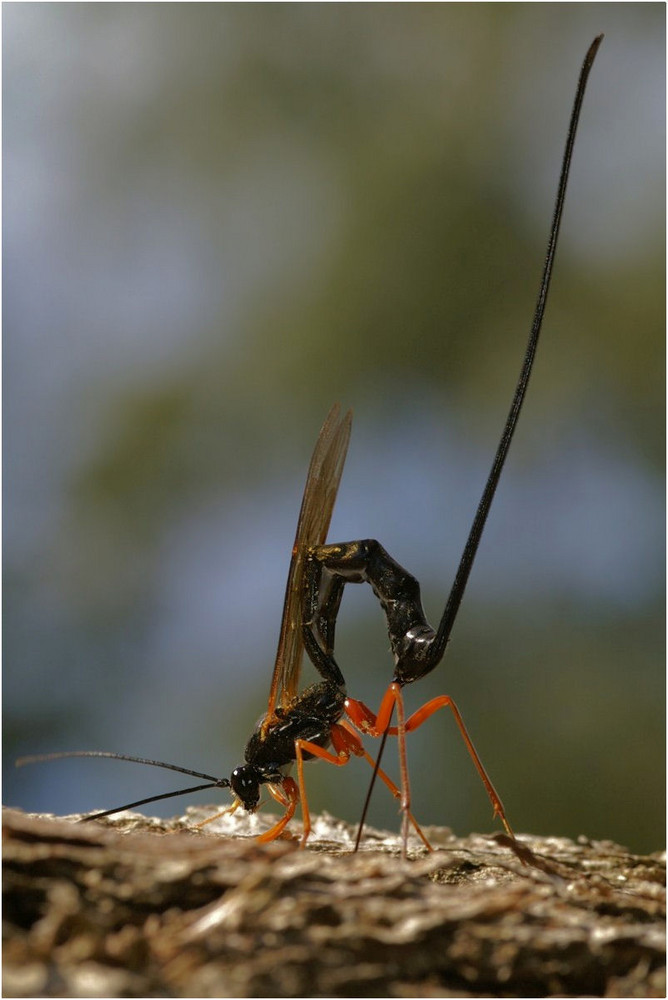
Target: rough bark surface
(136,907)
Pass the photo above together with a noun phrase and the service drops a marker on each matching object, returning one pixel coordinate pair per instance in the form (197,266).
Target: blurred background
(221,218)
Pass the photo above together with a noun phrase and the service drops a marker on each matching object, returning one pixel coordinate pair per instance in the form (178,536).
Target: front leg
(415,645)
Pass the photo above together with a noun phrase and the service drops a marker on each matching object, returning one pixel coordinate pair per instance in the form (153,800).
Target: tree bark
(137,907)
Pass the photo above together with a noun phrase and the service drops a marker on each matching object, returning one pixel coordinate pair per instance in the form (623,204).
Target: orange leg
(289,800)
(388,782)
(224,812)
(375,725)
(277,794)
(345,742)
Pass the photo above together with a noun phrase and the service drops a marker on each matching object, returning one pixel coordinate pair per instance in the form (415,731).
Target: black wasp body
(312,718)
(417,647)
(323,722)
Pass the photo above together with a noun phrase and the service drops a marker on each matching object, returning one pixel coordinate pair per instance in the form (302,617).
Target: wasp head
(245,783)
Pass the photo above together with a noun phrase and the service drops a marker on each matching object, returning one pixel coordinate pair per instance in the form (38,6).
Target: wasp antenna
(40,758)
(223,783)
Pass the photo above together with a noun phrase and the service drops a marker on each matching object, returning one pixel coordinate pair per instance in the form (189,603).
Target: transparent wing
(322,485)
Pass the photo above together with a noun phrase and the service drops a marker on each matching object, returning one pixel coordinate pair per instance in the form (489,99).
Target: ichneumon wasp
(322,722)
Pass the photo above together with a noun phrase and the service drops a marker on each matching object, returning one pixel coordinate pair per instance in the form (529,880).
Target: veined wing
(322,485)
